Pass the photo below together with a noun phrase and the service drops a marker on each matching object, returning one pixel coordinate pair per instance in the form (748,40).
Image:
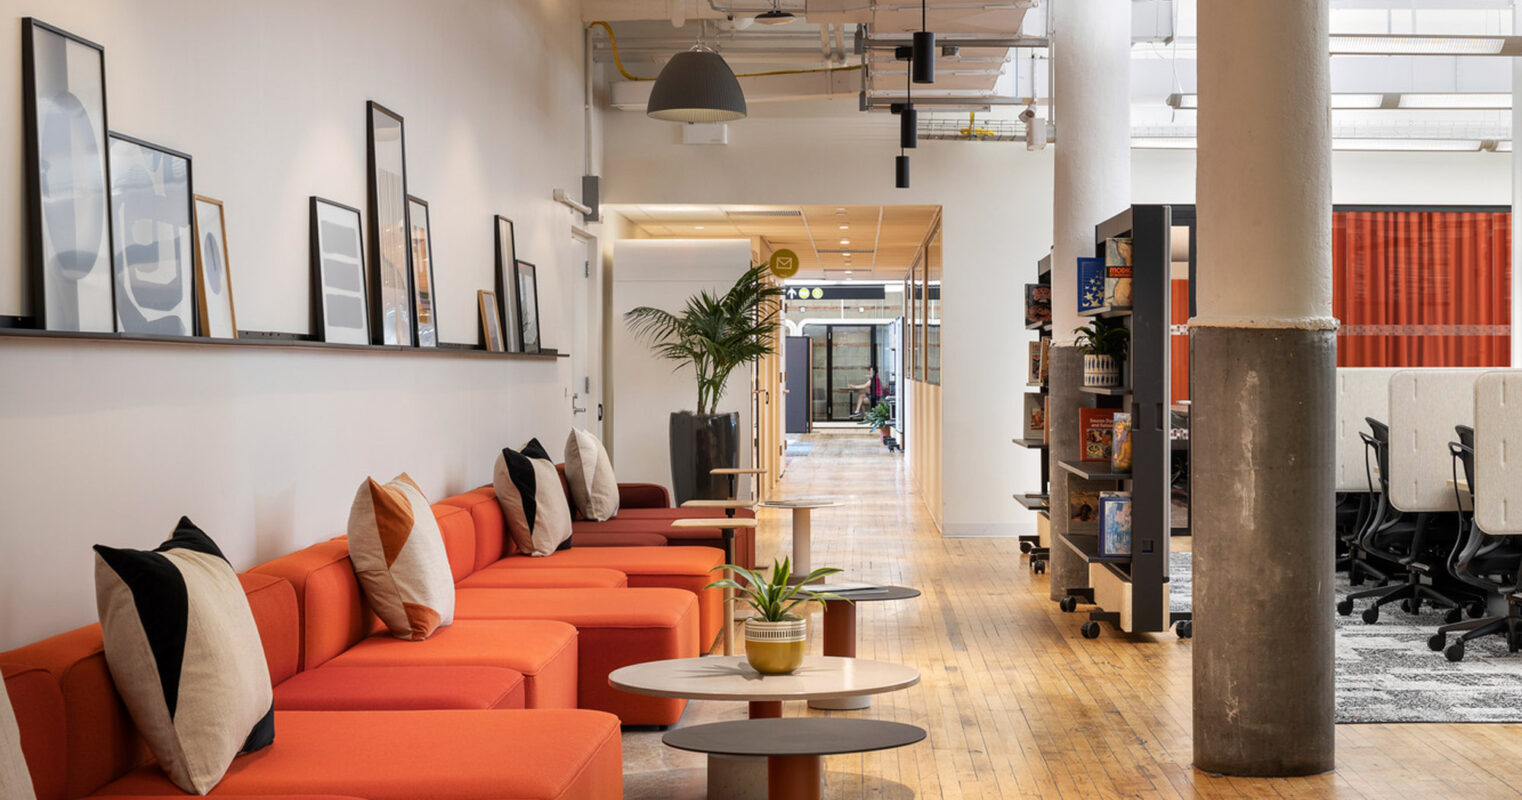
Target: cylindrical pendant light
(908,127)
(924,57)
(901,172)
(696,86)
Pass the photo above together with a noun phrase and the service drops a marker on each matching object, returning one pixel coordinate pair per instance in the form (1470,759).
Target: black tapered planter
(699,443)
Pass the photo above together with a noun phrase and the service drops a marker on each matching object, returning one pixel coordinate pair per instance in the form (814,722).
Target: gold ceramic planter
(775,648)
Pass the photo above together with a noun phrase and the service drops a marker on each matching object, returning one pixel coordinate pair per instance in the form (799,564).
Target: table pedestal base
(840,640)
(737,777)
(794,777)
(856,703)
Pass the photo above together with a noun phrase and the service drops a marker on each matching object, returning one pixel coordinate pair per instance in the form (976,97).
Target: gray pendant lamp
(696,86)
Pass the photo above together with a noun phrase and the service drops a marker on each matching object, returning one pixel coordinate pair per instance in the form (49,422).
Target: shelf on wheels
(1105,312)
(1030,444)
(1107,391)
(1086,545)
(1032,500)
(1094,470)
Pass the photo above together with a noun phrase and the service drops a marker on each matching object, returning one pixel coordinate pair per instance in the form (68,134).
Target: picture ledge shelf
(269,339)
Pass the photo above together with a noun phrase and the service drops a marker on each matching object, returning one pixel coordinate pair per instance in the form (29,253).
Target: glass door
(847,364)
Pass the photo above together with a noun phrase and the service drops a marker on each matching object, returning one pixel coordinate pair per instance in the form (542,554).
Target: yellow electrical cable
(618,62)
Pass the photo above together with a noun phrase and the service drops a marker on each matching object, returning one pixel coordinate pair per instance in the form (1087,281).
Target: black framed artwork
(63,80)
(390,250)
(214,282)
(528,306)
(424,295)
(340,307)
(153,246)
(507,283)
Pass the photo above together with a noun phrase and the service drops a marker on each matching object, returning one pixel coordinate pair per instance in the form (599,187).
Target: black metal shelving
(1038,501)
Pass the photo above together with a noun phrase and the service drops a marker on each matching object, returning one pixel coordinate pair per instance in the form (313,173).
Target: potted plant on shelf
(1104,347)
(713,335)
(775,640)
(878,417)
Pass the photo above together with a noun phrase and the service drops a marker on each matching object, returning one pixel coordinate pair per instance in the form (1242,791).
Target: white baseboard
(987,530)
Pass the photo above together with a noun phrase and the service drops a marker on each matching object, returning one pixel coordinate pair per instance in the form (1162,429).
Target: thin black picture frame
(314,250)
(520,269)
(37,270)
(506,280)
(375,290)
(190,208)
(433,286)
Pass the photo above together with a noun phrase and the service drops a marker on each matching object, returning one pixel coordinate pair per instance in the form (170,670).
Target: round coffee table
(793,747)
(840,633)
(802,535)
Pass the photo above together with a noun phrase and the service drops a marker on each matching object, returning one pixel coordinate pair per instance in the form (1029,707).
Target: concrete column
(1091,88)
(1264,359)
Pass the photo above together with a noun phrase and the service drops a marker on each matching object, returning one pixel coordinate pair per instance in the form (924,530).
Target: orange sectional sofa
(510,701)
(644,518)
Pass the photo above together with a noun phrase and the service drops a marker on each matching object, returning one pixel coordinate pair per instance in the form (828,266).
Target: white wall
(997,223)
(663,273)
(110,443)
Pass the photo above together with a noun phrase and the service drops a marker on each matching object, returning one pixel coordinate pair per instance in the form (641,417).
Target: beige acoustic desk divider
(1425,405)
(1362,392)
(1498,452)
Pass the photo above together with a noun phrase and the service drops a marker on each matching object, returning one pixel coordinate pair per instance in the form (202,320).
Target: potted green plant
(776,637)
(1105,346)
(713,335)
(878,417)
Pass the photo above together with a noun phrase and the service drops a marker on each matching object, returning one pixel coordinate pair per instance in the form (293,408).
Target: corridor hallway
(1016,703)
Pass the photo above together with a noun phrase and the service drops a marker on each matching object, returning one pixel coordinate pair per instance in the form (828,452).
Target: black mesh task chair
(1368,507)
(1417,544)
(1489,563)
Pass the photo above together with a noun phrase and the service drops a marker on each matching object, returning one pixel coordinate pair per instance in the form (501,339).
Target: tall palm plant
(714,334)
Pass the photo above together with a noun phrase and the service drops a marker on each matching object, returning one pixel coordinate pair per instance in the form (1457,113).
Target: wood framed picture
(528,306)
(214,283)
(424,296)
(63,89)
(491,324)
(507,282)
(340,309)
(390,250)
(152,243)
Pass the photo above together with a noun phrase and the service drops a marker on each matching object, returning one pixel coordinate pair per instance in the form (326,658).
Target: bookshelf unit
(1131,592)
(1038,546)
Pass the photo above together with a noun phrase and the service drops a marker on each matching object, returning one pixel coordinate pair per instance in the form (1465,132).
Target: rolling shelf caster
(1453,615)
(1345,607)
(1038,567)
(1455,651)
(1437,642)
(1371,614)
(1025,547)
(1090,630)
(1068,603)
(1184,629)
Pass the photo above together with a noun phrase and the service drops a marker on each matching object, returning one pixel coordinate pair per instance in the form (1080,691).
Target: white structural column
(1262,380)
(1091,87)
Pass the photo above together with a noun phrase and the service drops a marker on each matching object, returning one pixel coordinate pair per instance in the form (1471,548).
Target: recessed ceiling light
(848,272)
(697,227)
(845,227)
(845,241)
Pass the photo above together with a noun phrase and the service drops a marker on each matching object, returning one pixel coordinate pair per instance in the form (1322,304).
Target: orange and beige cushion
(15,779)
(589,476)
(399,557)
(185,655)
(528,488)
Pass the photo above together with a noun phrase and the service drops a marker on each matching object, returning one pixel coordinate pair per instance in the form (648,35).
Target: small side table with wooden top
(794,748)
(802,533)
(727,506)
(840,633)
(734,473)
(727,526)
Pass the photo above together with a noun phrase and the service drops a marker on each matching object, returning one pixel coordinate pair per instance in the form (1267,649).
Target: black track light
(901,172)
(908,127)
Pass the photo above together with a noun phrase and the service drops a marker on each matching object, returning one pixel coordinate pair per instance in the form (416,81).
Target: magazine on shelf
(1035,416)
(1120,444)
(1046,409)
(1118,273)
(1096,433)
(1115,523)
(1036,368)
(1091,284)
(1083,506)
(1046,358)
(1038,303)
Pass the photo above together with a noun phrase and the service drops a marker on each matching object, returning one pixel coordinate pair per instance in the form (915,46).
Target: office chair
(1490,563)
(1354,515)
(1415,545)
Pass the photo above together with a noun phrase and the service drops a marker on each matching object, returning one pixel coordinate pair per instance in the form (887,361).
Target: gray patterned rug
(1386,673)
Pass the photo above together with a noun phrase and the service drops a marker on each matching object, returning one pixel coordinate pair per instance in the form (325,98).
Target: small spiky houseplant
(775,598)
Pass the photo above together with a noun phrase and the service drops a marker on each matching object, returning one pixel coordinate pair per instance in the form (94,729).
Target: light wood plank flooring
(1017,704)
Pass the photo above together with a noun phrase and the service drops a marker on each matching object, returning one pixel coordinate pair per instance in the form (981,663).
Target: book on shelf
(1118,273)
(1091,284)
(1035,416)
(1096,433)
(1046,358)
(1083,506)
(1046,411)
(1037,352)
(1115,523)
(1120,444)
(1038,303)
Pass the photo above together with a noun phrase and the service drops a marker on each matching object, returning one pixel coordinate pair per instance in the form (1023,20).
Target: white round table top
(732,678)
(802,502)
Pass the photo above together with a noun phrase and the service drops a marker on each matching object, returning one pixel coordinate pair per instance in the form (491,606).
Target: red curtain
(1422,288)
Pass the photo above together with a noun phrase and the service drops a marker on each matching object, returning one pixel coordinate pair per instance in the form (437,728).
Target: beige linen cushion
(589,473)
(399,558)
(15,780)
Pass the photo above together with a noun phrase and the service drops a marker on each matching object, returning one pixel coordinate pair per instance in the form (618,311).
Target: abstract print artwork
(154,249)
(391,270)
(69,232)
(507,284)
(528,306)
(424,299)
(338,273)
(214,288)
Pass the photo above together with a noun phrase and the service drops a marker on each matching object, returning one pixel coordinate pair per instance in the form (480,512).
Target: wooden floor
(1017,704)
